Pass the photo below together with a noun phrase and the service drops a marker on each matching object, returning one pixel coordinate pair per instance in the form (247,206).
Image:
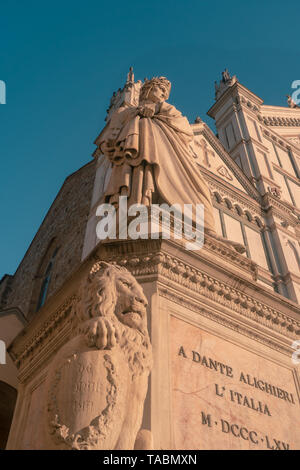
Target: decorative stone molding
(223,170)
(44,333)
(186,275)
(236,198)
(234,299)
(221,319)
(282,209)
(294,140)
(239,209)
(275,191)
(278,139)
(152,262)
(279,121)
(249,104)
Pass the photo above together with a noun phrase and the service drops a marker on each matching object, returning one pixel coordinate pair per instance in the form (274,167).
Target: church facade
(223,325)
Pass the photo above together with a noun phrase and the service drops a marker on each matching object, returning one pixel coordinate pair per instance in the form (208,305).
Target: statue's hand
(101,333)
(146,111)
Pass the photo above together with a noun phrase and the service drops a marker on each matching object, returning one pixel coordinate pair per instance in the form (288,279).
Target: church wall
(276,163)
(278,166)
(264,153)
(235,225)
(65,223)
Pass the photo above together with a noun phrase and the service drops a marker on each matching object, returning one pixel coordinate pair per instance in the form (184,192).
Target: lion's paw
(101,333)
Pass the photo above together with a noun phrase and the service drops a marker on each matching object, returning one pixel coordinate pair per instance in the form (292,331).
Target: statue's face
(156,93)
(131,302)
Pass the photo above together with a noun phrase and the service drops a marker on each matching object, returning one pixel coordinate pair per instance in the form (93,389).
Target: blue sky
(61,62)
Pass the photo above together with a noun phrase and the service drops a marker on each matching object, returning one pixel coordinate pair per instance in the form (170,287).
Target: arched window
(46,281)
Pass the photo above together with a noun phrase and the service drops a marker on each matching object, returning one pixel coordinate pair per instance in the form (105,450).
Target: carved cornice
(279,121)
(253,107)
(281,209)
(118,254)
(21,352)
(295,140)
(229,323)
(283,142)
(163,265)
(241,199)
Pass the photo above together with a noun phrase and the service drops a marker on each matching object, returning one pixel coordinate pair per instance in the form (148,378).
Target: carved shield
(86,396)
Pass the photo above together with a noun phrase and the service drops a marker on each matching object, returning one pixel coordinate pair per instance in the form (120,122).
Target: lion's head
(111,290)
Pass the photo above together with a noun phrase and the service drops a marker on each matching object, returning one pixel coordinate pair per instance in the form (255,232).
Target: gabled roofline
(237,171)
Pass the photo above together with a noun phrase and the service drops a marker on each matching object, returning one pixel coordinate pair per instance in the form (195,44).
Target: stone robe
(150,154)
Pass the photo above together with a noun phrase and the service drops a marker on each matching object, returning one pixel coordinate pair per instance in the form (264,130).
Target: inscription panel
(226,397)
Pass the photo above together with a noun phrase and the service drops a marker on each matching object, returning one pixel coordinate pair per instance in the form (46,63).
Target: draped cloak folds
(148,153)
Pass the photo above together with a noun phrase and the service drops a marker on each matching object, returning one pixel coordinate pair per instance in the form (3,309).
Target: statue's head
(157,89)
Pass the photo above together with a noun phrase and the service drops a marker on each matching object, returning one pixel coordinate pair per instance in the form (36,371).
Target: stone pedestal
(223,376)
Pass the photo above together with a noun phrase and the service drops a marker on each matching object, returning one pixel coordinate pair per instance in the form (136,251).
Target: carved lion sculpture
(98,381)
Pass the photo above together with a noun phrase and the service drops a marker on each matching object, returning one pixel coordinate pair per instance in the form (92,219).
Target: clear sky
(62,60)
